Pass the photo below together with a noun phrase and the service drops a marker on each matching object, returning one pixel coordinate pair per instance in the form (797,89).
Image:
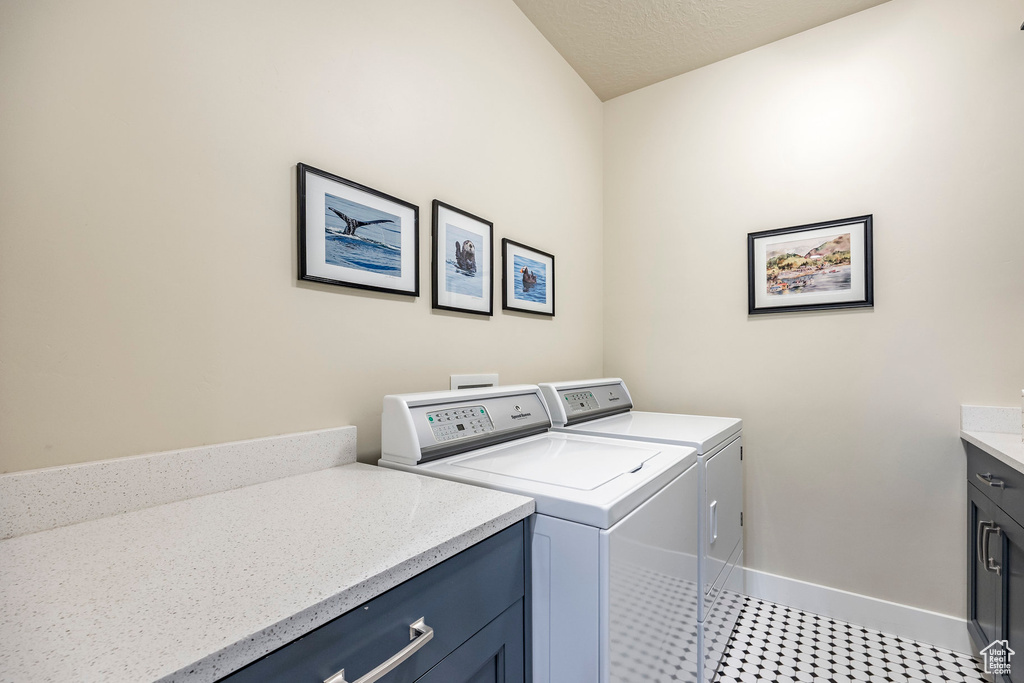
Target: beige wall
(148,293)
(147,253)
(911,111)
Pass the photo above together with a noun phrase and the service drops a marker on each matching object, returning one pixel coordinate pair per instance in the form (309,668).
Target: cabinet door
(984,588)
(496,654)
(723,499)
(1011,559)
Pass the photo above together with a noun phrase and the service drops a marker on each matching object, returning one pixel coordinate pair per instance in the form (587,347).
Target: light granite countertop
(195,589)
(1006,448)
(995,430)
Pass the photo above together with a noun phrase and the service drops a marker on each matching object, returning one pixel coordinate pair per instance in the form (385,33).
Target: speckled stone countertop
(196,589)
(995,430)
(1006,448)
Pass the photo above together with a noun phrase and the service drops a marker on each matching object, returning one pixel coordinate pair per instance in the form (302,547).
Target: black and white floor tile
(780,644)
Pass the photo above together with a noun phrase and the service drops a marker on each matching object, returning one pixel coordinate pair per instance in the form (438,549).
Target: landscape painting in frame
(355,236)
(528,279)
(462,264)
(811,267)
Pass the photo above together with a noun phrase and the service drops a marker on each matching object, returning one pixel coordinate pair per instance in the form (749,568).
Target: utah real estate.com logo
(997,657)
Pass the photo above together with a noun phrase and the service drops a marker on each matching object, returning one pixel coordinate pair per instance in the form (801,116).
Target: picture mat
(316,235)
(857,290)
(511,251)
(446,217)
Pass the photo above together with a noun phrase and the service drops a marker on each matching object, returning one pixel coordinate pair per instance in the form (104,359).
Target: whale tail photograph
(351,235)
(361,237)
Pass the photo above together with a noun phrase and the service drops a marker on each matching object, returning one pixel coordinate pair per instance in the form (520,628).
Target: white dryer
(614,539)
(603,407)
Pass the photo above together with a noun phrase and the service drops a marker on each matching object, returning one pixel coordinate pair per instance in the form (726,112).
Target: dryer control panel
(579,401)
(421,427)
(573,402)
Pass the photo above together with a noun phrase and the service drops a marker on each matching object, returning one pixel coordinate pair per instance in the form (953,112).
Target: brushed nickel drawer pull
(979,541)
(991,565)
(419,633)
(990,480)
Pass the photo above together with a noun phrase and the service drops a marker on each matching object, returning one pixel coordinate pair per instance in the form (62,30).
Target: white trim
(933,628)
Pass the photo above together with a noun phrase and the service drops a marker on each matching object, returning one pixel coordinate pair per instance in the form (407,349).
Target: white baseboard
(940,630)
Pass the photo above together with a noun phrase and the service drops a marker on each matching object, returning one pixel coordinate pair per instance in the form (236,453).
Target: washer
(614,539)
(603,407)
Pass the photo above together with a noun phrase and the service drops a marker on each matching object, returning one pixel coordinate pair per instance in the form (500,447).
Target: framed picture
(462,267)
(354,236)
(811,267)
(527,279)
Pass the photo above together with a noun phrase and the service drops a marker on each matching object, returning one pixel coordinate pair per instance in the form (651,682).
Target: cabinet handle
(990,564)
(990,480)
(979,541)
(419,633)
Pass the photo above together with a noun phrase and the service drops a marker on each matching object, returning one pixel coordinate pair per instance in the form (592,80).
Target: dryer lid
(702,432)
(579,465)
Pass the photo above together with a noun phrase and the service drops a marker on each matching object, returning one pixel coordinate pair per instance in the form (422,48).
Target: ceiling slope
(618,46)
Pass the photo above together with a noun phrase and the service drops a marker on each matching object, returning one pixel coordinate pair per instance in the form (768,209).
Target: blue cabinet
(475,604)
(995,566)
(495,654)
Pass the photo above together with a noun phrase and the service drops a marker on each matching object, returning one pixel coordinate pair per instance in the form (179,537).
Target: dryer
(604,407)
(614,539)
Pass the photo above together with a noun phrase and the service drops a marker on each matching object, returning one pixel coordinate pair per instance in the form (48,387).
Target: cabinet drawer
(1010,496)
(494,655)
(456,599)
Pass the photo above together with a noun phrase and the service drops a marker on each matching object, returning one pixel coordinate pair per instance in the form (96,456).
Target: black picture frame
(811,283)
(446,217)
(510,301)
(323,249)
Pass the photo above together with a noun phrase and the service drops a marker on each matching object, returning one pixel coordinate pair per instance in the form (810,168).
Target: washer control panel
(455,423)
(418,428)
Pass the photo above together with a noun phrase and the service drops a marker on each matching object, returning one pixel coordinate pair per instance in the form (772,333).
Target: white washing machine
(603,407)
(614,539)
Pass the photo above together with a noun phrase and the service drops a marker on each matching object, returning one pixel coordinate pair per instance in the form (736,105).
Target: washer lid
(590,480)
(579,465)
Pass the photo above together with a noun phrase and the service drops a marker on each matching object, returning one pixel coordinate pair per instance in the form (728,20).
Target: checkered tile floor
(783,645)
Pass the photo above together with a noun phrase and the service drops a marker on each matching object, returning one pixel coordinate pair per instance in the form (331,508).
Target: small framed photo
(355,236)
(811,267)
(527,279)
(462,266)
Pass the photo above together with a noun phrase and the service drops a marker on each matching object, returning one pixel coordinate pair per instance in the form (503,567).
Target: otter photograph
(361,237)
(461,274)
(530,280)
(809,265)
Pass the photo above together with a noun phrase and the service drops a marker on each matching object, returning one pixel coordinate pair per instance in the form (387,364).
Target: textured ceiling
(618,46)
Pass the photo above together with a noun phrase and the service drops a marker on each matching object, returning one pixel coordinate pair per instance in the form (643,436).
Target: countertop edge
(982,440)
(224,661)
